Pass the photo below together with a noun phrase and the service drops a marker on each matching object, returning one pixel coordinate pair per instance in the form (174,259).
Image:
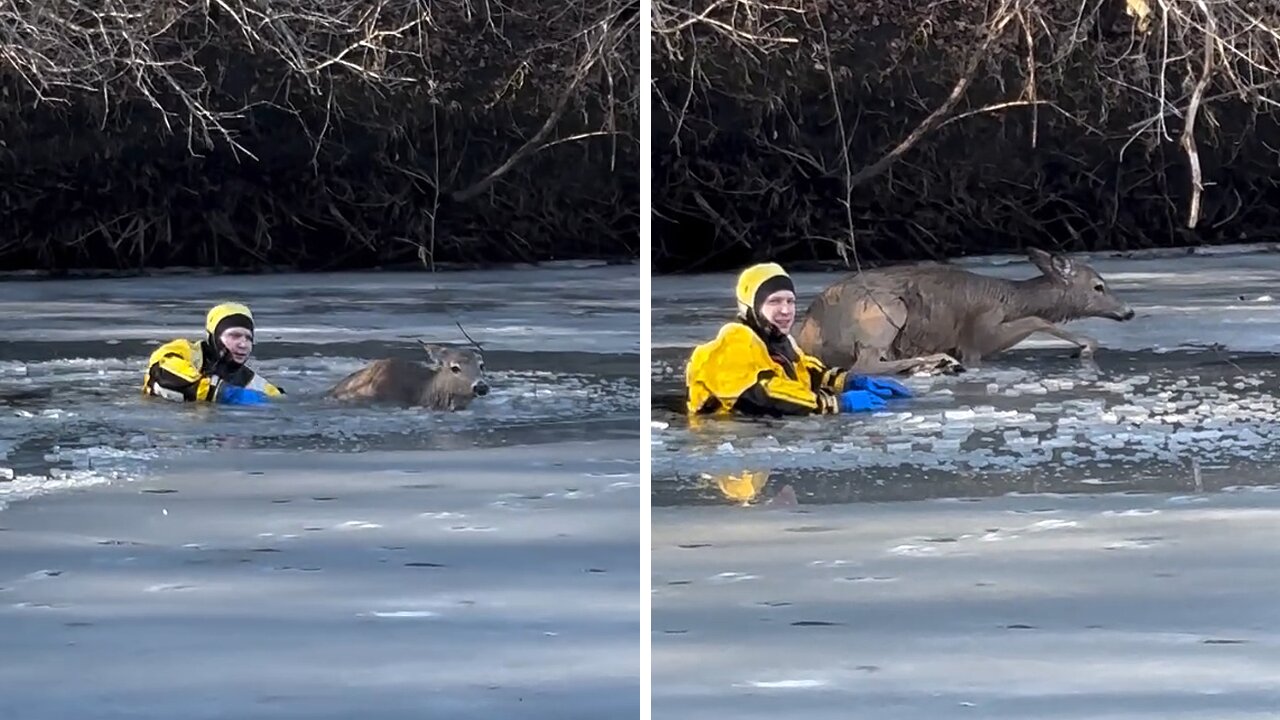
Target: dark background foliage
(866,131)
(317,134)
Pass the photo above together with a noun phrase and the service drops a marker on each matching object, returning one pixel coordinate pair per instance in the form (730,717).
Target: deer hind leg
(938,362)
(1012,332)
(878,324)
(359,385)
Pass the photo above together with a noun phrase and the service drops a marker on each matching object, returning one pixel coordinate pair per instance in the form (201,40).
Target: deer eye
(1099,288)
(456,368)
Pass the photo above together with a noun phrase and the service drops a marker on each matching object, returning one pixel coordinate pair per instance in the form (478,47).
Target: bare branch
(585,64)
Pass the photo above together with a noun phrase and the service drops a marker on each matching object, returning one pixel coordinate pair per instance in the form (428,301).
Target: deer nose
(1127,314)
(480,388)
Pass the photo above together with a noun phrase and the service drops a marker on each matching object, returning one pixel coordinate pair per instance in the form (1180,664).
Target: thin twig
(1188,140)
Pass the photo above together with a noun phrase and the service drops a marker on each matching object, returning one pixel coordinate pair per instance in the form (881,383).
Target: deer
(940,318)
(449,380)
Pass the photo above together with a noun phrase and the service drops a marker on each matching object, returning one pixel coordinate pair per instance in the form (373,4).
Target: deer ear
(434,355)
(1058,267)
(1063,266)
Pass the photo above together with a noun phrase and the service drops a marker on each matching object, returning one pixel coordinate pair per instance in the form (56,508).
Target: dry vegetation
(867,130)
(317,133)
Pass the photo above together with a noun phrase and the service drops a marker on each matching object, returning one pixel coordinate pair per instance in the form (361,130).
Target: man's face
(780,309)
(238,342)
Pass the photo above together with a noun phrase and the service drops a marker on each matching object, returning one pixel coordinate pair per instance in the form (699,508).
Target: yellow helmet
(227,315)
(767,277)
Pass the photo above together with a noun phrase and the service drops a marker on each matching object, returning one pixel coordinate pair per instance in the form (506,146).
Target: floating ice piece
(165,587)
(1252,488)
(1136,544)
(1186,499)
(1130,411)
(1053,525)
(358,525)
(783,684)
(734,576)
(909,549)
(399,614)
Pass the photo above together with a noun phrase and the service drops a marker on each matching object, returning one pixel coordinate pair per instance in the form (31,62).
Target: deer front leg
(1013,332)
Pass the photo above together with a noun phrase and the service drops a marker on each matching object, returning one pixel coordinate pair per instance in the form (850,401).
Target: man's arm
(780,395)
(823,378)
(173,375)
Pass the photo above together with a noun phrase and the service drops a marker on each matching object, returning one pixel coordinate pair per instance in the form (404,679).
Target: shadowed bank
(317,135)
(874,131)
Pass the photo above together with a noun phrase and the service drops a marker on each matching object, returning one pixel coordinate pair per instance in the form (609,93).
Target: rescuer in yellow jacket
(754,367)
(213,369)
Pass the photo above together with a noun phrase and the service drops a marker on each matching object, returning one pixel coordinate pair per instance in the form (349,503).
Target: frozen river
(1040,537)
(315,560)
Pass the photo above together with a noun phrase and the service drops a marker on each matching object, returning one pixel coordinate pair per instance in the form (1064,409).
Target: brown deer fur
(449,380)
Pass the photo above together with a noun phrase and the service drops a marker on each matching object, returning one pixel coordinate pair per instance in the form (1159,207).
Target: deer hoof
(940,363)
(947,364)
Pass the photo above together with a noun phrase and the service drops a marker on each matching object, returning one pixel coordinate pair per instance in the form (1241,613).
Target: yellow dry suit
(200,371)
(752,368)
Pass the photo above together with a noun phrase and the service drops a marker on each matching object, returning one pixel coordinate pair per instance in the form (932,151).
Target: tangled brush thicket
(869,130)
(317,133)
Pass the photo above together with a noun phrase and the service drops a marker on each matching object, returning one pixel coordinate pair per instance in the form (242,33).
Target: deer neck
(438,397)
(432,397)
(1039,297)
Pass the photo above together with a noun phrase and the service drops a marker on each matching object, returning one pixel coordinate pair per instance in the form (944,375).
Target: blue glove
(859,401)
(232,395)
(882,386)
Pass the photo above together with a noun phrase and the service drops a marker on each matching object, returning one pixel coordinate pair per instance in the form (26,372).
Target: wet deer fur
(939,317)
(449,380)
